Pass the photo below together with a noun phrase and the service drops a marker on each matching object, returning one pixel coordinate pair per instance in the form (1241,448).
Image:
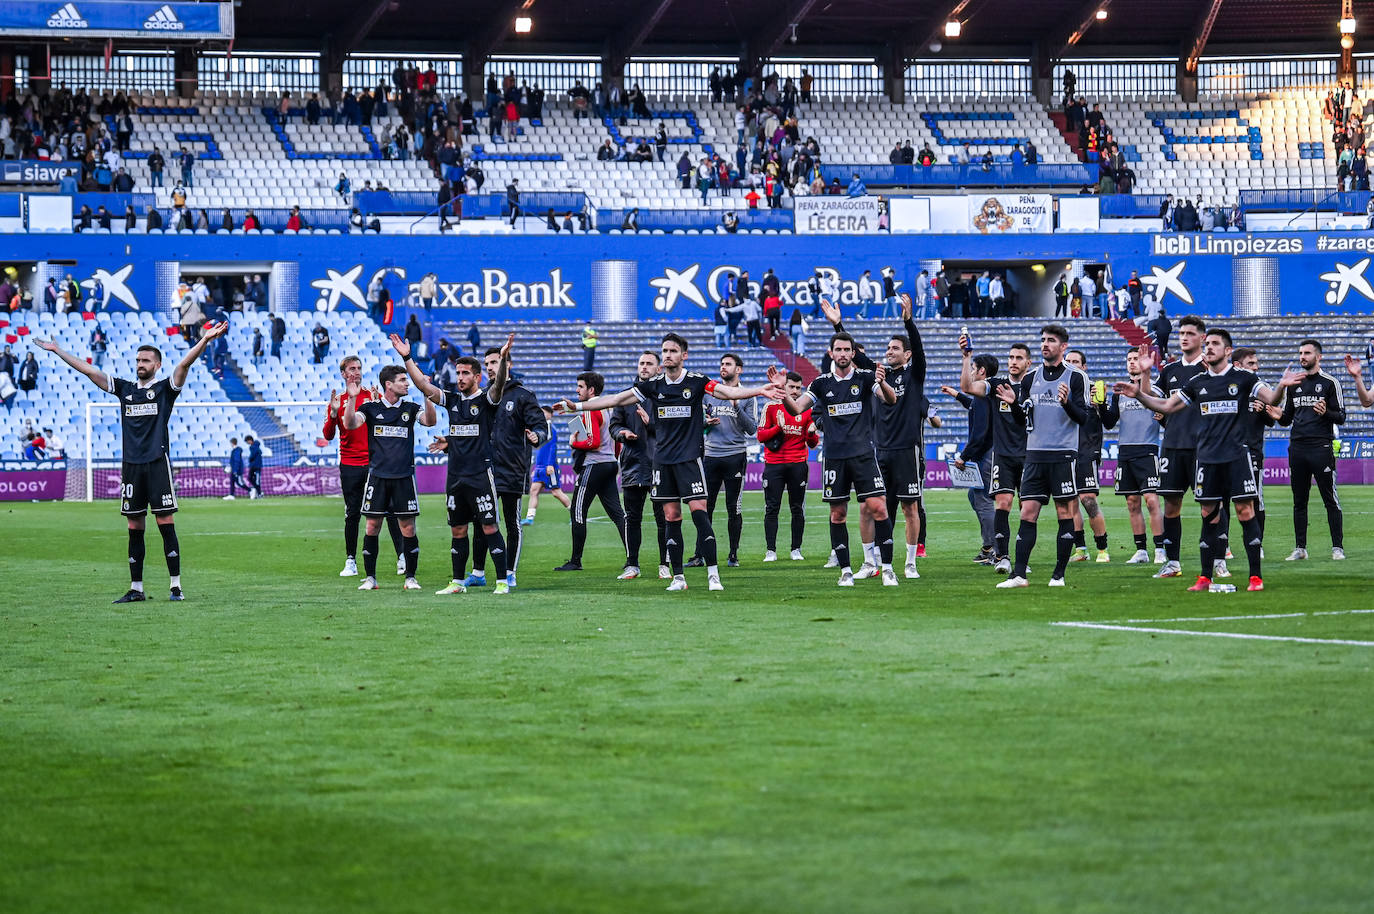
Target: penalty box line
(1239,636)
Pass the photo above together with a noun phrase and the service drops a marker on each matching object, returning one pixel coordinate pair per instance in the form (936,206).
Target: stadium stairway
(266,426)
(1129,331)
(1061,123)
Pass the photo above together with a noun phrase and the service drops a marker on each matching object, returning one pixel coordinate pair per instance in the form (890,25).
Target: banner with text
(825,215)
(1007,213)
(117,19)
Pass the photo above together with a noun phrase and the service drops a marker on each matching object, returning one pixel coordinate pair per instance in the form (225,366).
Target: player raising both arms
(674,401)
(846,394)
(353,468)
(145,474)
(1222,395)
(390,487)
(470,489)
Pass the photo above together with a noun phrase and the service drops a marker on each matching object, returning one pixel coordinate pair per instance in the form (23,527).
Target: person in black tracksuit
(517,428)
(635,437)
(1314,407)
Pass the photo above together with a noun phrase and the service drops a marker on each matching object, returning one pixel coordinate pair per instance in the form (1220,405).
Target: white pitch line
(1333,612)
(1237,635)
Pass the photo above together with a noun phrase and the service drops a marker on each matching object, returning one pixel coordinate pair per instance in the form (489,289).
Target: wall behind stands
(640,277)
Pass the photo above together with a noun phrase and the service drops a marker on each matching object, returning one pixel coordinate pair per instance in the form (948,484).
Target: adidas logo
(67,18)
(164,20)
(172,554)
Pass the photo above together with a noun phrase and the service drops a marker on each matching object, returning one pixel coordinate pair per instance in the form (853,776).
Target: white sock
(848,569)
(910,554)
(713,571)
(887,567)
(530,514)
(136,585)
(870,554)
(176,581)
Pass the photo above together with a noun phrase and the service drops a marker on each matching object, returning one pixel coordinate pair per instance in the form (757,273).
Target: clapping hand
(880,373)
(831,312)
(563,406)
(1126,388)
(1063,393)
(1352,364)
(401,346)
(333,401)
(505,350)
(438,445)
(1006,393)
(906,306)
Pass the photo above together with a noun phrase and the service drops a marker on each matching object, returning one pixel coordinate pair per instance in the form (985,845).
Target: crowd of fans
(1344,111)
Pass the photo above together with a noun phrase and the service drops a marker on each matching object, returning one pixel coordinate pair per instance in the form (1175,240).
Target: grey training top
(1050,429)
(738,425)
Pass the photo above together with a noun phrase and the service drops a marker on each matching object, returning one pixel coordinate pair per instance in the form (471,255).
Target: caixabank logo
(675,287)
(495,289)
(67,17)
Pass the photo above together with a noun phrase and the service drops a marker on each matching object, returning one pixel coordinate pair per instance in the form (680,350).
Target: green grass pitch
(282,742)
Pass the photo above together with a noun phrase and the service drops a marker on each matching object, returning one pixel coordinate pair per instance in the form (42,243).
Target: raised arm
(497,387)
(1174,404)
(432,393)
(918,347)
(1270,396)
(795,406)
(1356,370)
(98,377)
(605,401)
(966,382)
(429,418)
(351,417)
(184,366)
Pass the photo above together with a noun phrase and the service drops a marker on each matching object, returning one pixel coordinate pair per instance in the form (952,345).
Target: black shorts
(1043,482)
(147,487)
(861,474)
(1006,474)
(1177,470)
(469,499)
(1137,475)
(678,481)
(382,497)
(352,482)
(1087,475)
(1219,481)
(901,472)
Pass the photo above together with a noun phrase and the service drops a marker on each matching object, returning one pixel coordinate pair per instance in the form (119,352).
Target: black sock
(1140,542)
(370,554)
(1254,544)
(798,525)
(1080,540)
(1173,538)
(1100,541)
(1159,541)
(1221,541)
(1064,546)
(673,531)
(496,545)
(458,556)
(1025,544)
(882,531)
(171,549)
(735,527)
(479,549)
(706,537)
(1207,545)
(393,526)
(410,551)
(839,543)
(1001,531)
(1260,515)
(579,540)
(136,554)
(921,513)
(351,537)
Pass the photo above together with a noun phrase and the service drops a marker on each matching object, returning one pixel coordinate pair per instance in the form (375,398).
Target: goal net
(295,459)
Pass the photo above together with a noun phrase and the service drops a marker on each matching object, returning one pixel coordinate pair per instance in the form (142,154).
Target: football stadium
(894,455)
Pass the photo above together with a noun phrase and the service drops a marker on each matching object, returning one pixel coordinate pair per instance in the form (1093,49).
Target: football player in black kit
(631,430)
(470,487)
(390,485)
(1222,395)
(1178,451)
(673,399)
(848,396)
(145,475)
(1008,443)
(517,426)
(1089,461)
(1314,408)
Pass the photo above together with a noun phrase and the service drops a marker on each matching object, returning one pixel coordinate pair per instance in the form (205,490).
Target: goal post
(295,461)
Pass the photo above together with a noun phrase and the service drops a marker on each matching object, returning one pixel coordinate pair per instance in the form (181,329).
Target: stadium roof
(728,24)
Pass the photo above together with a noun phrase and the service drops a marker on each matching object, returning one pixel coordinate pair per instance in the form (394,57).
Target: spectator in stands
(312,109)
(1032,154)
(770,291)
(474,339)
(1135,289)
(343,187)
(188,167)
(551,220)
(226,220)
(568,222)
(1087,288)
(71,292)
(356,223)
(606,152)
(856,187)
(1070,84)
(154,220)
(250,222)
(1166,213)
(1368,213)
(589,344)
(1018,156)
(429,290)
(987,161)
(927,157)
(730,222)
(631,221)
(123,181)
(983,304)
(1061,296)
(156,164)
(414,333)
(319,342)
(28,373)
(203,221)
(257,346)
(254,294)
(36,447)
(661,140)
(965,154)
(1160,328)
(806,82)
(296,222)
(639,105)
(796,332)
(752,313)
(278,333)
(84,219)
(513,199)
(752,198)
(895,156)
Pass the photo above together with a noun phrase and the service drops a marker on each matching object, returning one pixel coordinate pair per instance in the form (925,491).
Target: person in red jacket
(353,467)
(786,441)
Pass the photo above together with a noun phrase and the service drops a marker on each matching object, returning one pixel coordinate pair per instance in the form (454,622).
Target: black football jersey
(391,437)
(848,407)
(675,408)
(1222,402)
(470,422)
(143,416)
